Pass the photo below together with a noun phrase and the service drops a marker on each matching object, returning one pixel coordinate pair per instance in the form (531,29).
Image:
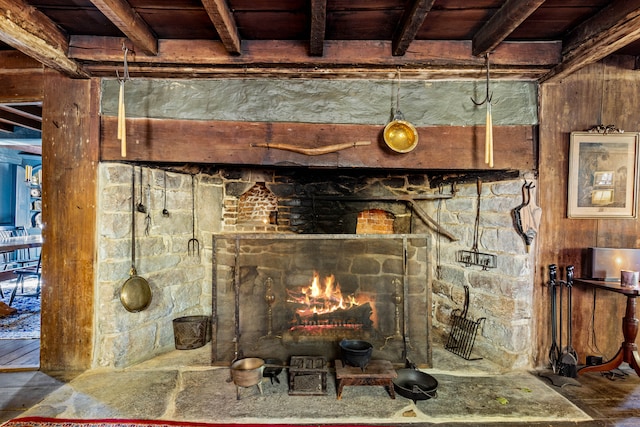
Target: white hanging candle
(122,133)
(122,130)
(488,149)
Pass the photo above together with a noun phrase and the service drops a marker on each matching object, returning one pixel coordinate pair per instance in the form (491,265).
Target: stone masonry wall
(503,294)
(181,284)
(176,278)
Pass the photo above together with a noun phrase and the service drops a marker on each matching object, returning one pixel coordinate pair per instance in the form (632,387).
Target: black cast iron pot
(272,368)
(356,353)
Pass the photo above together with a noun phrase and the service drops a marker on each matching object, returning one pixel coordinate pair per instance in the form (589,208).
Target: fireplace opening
(257,205)
(278,295)
(320,309)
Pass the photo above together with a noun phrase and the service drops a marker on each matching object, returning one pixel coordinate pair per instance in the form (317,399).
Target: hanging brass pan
(135,294)
(400,135)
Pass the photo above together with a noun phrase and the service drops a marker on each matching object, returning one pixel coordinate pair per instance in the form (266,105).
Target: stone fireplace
(266,235)
(277,296)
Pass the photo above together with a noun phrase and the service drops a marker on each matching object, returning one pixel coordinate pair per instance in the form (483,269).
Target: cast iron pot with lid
(135,294)
(414,384)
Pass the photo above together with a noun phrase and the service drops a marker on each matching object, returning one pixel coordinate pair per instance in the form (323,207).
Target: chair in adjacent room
(23,274)
(6,258)
(27,257)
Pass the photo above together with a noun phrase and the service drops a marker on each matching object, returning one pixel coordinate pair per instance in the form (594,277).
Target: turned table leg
(629,350)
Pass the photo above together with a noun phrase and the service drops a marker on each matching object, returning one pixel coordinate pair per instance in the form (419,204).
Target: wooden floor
(20,354)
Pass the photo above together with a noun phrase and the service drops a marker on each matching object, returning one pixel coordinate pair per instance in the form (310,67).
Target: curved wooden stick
(313,151)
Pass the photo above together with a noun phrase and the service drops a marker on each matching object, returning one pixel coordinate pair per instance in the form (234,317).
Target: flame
(321,296)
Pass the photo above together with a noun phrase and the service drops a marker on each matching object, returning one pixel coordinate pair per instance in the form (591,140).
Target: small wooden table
(377,372)
(628,350)
(10,244)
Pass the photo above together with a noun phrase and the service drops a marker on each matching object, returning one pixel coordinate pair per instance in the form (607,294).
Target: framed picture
(603,175)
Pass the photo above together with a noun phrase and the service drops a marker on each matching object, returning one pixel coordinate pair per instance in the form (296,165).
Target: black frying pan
(415,385)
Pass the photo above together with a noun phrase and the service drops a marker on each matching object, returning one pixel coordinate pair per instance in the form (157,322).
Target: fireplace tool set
(563,361)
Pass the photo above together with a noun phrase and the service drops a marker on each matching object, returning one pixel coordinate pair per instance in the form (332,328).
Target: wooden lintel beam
(123,16)
(603,34)
(232,142)
(30,31)
(225,24)
(502,23)
(411,22)
(318,27)
(14,60)
(22,86)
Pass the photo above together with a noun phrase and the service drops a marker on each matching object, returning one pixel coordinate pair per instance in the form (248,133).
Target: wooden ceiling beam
(412,20)
(502,23)
(225,24)
(318,27)
(292,56)
(30,31)
(28,111)
(123,16)
(11,118)
(603,34)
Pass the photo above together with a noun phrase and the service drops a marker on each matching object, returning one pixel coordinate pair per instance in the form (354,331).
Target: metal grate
(463,331)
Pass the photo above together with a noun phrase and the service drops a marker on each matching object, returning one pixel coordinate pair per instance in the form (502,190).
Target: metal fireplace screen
(279,295)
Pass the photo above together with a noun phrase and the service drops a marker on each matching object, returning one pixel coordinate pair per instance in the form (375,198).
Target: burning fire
(320,297)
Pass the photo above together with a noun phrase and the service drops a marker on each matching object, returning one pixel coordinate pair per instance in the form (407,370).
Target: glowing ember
(320,297)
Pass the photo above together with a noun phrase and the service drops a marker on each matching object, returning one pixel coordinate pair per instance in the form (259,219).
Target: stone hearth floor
(182,386)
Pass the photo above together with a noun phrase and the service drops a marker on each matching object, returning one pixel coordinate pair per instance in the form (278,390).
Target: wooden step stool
(377,372)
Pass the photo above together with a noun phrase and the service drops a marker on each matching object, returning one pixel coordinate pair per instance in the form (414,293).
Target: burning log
(353,316)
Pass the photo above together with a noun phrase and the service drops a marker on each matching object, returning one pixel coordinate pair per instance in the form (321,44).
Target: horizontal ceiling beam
(7,115)
(123,16)
(502,23)
(225,24)
(198,58)
(614,27)
(318,27)
(28,111)
(410,24)
(25,28)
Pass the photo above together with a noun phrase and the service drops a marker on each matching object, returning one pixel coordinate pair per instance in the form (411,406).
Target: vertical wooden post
(70,154)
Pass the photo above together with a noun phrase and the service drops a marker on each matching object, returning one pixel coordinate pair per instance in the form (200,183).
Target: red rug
(62,422)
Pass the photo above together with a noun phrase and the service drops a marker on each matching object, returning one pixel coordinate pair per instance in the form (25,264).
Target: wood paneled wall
(70,133)
(603,93)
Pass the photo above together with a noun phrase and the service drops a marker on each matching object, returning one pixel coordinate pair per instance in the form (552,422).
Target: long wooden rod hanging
(122,130)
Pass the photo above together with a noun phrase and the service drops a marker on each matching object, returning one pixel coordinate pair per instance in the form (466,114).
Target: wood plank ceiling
(426,39)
